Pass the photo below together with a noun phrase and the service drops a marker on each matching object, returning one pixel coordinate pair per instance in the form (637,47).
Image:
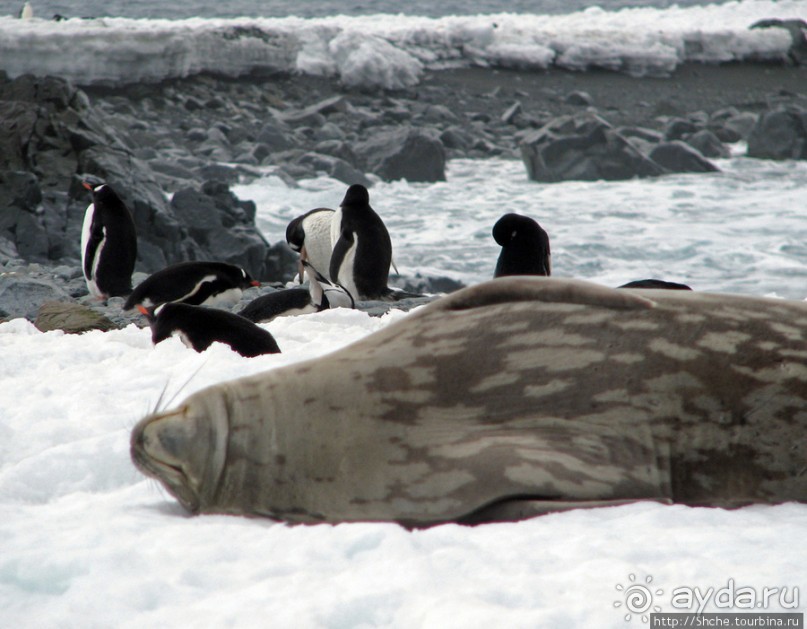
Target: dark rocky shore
(172,150)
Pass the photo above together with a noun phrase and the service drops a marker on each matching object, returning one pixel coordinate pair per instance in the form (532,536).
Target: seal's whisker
(182,387)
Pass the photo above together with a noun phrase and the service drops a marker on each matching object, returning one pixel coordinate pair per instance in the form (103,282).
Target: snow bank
(392,51)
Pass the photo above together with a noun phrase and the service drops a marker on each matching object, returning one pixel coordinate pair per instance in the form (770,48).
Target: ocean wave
(393,51)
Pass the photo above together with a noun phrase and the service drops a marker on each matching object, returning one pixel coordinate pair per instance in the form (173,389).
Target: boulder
(678,128)
(780,133)
(334,167)
(707,144)
(71,318)
(583,147)
(223,227)
(21,220)
(731,125)
(679,157)
(21,295)
(407,153)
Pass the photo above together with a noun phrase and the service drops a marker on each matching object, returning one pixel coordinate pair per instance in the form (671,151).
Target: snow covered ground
(86,541)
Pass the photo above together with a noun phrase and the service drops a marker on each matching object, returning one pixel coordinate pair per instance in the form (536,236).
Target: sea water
(741,230)
(153,9)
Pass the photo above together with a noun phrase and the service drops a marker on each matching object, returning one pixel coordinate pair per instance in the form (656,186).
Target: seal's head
(184,448)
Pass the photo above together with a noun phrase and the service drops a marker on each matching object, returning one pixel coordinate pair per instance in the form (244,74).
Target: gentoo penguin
(320,295)
(199,327)
(26,12)
(525,247)
(362,250)
(195,283)
(310,236)
(662,284)
(108,243)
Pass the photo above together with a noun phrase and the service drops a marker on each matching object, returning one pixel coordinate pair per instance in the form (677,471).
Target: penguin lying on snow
(362,250)
(200,327)
(194,283)
(320,295)
(310,236)
(525,247)
(108,243)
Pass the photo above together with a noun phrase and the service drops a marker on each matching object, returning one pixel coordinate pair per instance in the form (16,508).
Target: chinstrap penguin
(525,247)
(108,243)
(310,236)
(320,295)
(194,283)
(199,327)
(362,249)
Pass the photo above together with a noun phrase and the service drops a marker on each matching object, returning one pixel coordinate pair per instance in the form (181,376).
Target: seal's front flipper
(513,510)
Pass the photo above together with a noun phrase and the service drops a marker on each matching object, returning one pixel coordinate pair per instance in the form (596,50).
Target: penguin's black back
(373,248)
(203,326)
(267,307)
(525,247)
(175,283)
(112,223)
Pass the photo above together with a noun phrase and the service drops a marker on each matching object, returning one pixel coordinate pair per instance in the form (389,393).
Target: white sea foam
(741,230)
(392,51)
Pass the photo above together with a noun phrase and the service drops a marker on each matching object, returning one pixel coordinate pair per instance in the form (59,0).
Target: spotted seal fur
(505,400)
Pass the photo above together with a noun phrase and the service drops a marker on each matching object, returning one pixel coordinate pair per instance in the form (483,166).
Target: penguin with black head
(108,243)
(199,327)
(525,247)
(196,283)
(362,249)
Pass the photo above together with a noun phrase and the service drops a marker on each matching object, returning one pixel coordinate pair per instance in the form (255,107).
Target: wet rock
(21,295)
(579,99)
(679,128)
(731,125)
(679,157)
(707,144)
(71,318)
(222,226)
(780,133)
(408,153)
(583,147)
(334,167)
(512,112)
(21,218)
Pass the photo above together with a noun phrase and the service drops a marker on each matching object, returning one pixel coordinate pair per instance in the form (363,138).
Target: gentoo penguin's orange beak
(255,283)
(86,185)
(143,310)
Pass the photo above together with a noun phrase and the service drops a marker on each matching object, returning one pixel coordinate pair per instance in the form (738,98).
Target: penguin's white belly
(224,299)
(318,241)
(86,229)
(346,271)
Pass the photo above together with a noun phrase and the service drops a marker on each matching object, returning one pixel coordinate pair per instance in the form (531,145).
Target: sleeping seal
(505,400)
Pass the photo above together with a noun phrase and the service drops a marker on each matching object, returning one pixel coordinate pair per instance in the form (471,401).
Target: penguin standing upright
(525,247)
(108,243)
(196,283)
(310,236)
(200,327)
(362,250)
